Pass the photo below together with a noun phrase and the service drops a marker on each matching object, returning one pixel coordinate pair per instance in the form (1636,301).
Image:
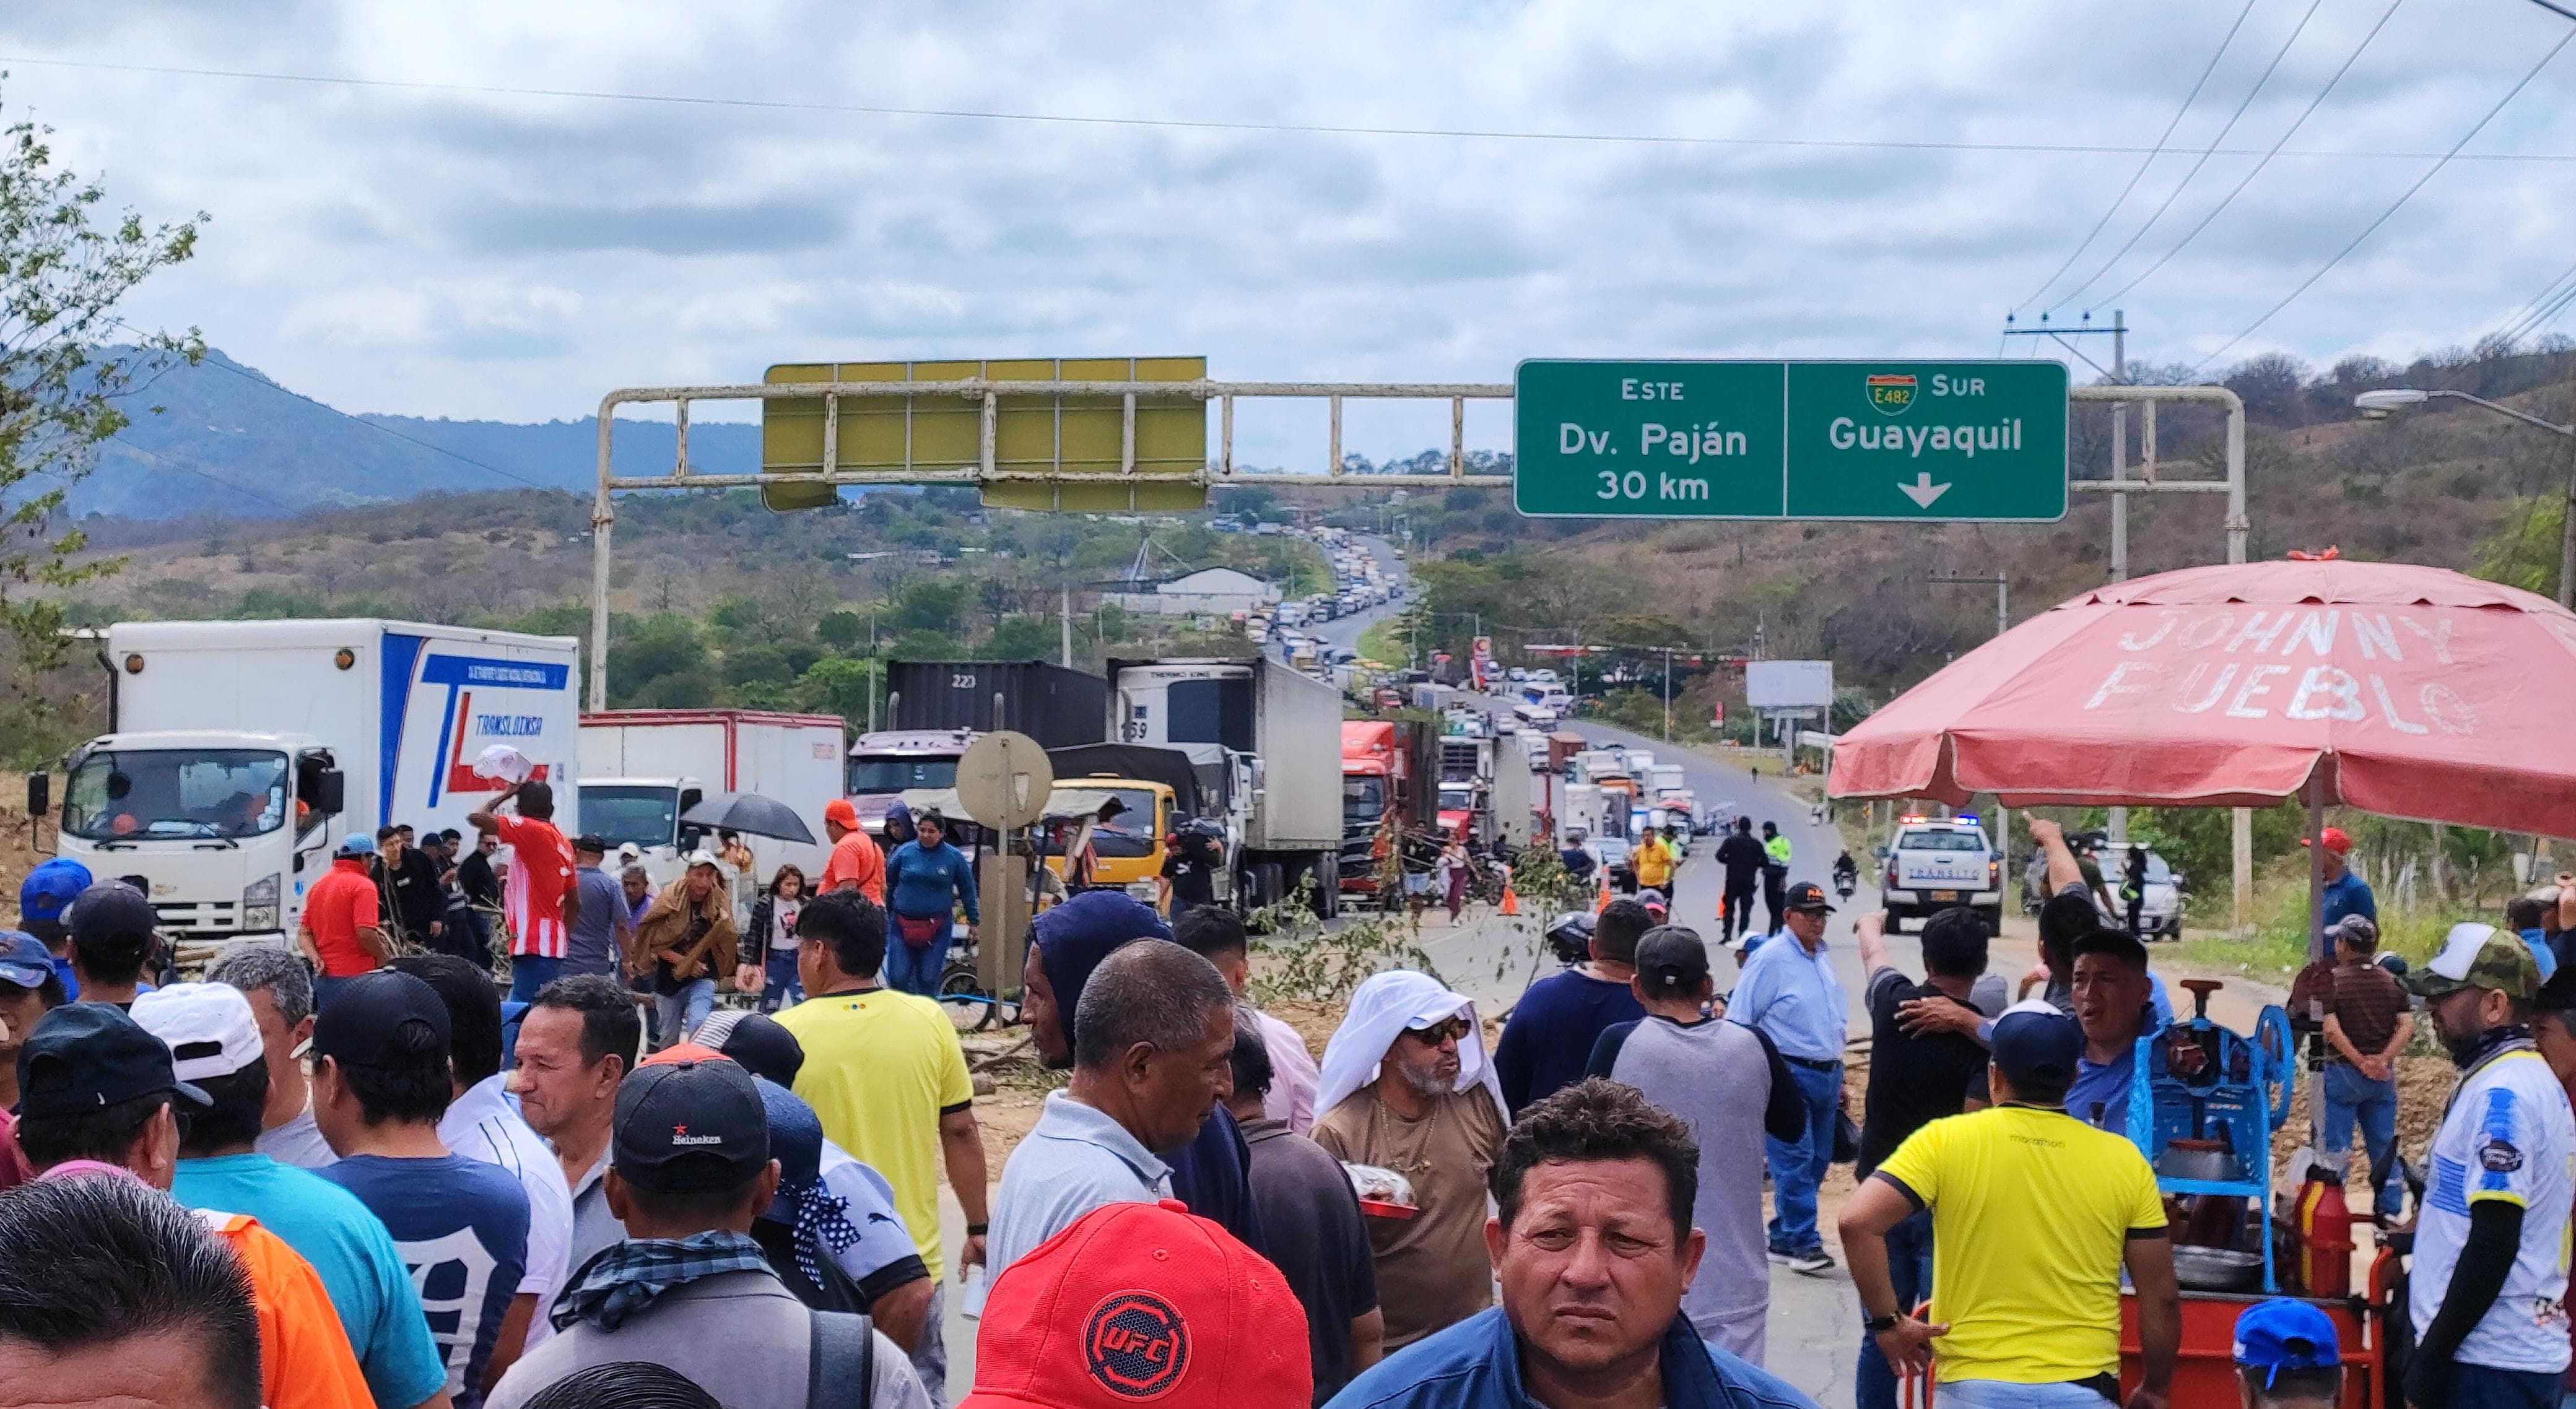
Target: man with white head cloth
(1407,1086)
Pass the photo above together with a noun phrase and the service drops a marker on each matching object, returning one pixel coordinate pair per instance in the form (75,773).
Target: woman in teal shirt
(927,881)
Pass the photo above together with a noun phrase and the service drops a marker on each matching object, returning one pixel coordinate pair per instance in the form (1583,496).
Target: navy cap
(1672,959)
(24,960)
(359,1026)
(2034,1042)
(91,1055)
(689,1123)
(51,888)
(113,920)
(2283,1334)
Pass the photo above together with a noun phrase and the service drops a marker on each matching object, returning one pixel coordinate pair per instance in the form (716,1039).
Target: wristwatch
(1876,1324)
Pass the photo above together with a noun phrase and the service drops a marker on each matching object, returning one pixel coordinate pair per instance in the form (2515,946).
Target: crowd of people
(365,1172)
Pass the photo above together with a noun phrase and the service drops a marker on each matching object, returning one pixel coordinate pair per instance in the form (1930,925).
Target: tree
(63,270)
(842,629)
(931,605)
(841,685)
(1024,638)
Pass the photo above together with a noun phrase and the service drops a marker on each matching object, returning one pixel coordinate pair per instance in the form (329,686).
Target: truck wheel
(1897,915)
(1268,884)
(1328,887)
(1993,915)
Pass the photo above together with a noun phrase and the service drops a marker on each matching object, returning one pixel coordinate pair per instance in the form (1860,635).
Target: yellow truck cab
(1127,849)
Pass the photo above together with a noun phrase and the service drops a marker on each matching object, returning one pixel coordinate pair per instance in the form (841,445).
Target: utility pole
(1064,621)
(2003,622)
(2118,332)
(1668,694)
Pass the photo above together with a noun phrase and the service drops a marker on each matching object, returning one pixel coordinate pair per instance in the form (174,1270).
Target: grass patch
(2279,944)
(1384,643)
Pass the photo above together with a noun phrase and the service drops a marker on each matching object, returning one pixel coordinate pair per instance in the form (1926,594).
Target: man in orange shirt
(341,929)
(856,863)
(99,1099)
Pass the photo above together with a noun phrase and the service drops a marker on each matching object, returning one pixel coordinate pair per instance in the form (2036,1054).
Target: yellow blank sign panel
(1077,437)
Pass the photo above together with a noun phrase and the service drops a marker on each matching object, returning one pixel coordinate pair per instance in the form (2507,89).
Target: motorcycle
(1846,878)
(1570,938)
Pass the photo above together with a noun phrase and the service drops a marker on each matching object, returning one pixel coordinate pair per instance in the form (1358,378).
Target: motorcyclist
(1577,860)
(1846,875)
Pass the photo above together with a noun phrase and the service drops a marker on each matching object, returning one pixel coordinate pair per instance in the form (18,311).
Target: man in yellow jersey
(884,1073)
(2033,1215)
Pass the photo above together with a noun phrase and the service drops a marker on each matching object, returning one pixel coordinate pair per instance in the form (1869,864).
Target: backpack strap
(839,1340)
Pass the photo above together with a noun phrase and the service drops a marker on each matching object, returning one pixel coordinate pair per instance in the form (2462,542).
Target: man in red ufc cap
(1136,1303)
(855,860)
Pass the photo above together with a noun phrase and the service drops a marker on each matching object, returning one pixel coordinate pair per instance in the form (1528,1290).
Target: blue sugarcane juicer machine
(2203,1103)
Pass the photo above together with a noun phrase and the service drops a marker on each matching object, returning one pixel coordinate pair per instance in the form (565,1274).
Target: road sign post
(1976,440)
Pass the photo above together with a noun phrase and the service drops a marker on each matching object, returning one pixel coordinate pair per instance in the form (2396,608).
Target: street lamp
(2380,405)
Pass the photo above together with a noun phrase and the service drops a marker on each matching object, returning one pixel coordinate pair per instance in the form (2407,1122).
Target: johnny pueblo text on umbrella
(2487,1294)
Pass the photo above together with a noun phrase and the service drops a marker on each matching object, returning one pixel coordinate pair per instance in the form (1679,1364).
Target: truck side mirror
(40,793)
(330,792)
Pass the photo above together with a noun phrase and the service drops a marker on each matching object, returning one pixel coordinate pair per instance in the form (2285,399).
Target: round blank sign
(1004,779)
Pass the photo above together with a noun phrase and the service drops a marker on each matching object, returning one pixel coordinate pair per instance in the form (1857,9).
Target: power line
(1207,125)
(2145,162)
(2158,213)
(2394,206)
(2541,308)
(2257,169)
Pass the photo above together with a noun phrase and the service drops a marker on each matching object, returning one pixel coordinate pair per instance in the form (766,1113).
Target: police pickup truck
(1939,862)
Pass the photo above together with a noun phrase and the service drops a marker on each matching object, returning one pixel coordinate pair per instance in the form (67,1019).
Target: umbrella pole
(2316,868)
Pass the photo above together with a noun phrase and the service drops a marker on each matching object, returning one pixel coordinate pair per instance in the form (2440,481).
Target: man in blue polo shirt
(2114,1000)
(1790,994)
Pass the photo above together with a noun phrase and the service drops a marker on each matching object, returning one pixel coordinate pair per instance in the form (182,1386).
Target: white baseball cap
(208,1027)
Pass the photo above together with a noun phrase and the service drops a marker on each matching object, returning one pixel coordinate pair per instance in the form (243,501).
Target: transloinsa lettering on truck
(468,704)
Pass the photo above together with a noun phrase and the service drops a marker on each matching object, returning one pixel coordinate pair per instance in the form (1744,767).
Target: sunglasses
(1452,1029)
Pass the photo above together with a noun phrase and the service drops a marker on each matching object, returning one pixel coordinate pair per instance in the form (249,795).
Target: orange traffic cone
(1511,900)
(1603,903)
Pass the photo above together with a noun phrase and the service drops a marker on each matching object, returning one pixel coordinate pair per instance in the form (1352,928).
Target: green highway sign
(1972,440)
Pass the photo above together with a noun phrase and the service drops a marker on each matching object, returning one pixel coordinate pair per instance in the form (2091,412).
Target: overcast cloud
(494,255)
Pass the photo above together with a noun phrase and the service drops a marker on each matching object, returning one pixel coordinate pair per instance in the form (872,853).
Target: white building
(1208,592)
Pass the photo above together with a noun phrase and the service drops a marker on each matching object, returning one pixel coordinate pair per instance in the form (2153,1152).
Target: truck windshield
(176,793)
(619,813)
(883,774)
(1127,836)
(1455,799)
(1363,800)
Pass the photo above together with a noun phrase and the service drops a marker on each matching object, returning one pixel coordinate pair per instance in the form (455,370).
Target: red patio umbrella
(2401,690)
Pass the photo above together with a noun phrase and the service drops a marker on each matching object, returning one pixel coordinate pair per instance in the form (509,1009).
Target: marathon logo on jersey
(2498,1156)
(1135,1345)
(1892,393)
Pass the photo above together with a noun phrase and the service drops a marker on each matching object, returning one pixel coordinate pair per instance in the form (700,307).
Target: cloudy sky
(1696,179)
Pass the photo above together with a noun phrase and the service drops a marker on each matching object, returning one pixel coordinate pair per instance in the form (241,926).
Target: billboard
(1789,684)
(1077,436)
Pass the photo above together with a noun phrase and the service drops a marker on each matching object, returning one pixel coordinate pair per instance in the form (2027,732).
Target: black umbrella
(749,812)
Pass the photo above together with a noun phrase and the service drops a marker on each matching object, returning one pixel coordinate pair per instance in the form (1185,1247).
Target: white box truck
(239,753)
(642,768)
(1259,735)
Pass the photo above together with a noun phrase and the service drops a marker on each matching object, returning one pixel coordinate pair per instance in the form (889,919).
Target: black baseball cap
(689,1122)
(762,1044)
(1672,959)
(85,1056)
(592,842)
(113,920)
(1807,895)
(357,1027)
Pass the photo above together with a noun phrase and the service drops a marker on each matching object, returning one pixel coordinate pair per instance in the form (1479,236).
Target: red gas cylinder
(2325,1237)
